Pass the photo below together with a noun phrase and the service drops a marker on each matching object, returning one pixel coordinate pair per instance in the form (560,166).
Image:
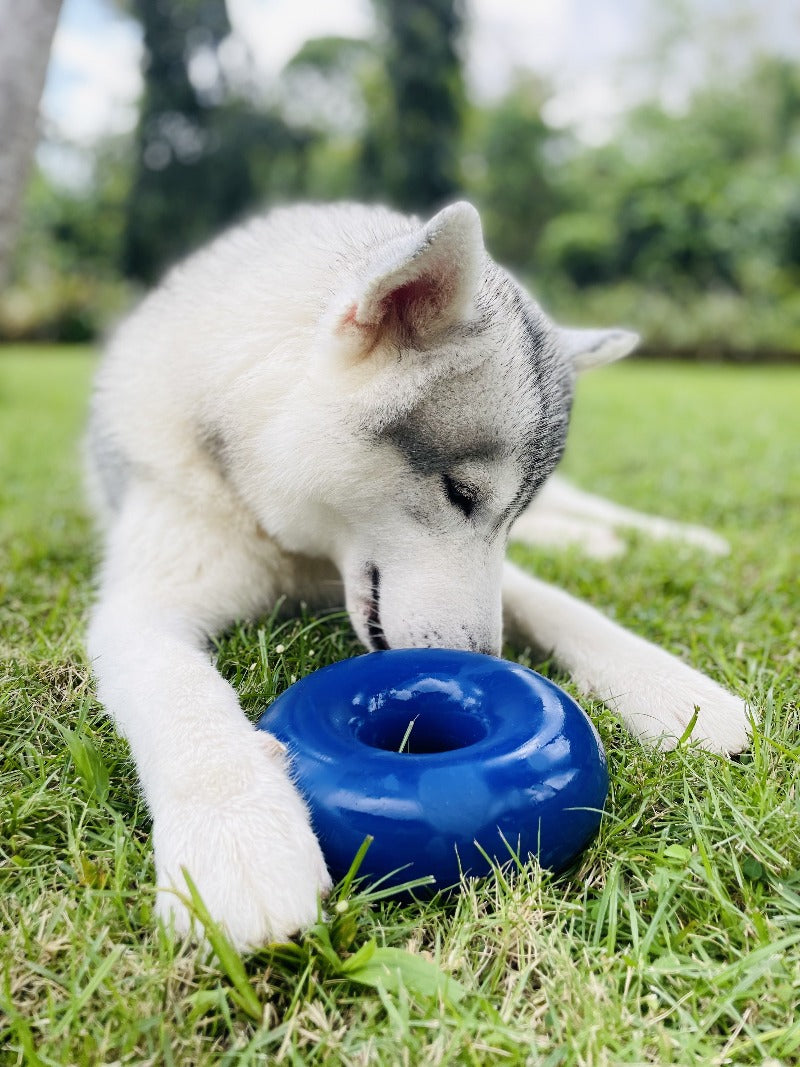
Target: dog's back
(255,294)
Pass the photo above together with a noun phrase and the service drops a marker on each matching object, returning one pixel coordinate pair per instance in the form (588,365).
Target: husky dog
(336,403)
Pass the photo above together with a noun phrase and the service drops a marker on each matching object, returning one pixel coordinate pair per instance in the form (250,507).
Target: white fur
(596,348)
(655,694)
(259,431)
(561,515)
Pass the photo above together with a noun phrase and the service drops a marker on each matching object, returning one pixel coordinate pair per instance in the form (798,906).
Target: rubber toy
(434,752)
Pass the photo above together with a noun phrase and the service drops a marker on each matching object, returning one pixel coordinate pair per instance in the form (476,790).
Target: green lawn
(676,940)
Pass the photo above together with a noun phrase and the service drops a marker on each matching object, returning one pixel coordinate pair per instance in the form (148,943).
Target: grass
(675,940)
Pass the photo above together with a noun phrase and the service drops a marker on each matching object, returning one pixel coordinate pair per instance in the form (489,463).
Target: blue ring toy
(493,753)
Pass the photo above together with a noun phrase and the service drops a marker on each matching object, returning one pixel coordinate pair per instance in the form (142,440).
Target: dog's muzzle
(376,635)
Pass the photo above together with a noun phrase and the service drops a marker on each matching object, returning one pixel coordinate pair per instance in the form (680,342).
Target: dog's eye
(460,496)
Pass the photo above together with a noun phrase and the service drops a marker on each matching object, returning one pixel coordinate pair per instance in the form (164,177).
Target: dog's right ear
(416,286)
(586,349)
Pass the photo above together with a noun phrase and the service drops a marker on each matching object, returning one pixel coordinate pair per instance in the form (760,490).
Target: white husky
(327,403)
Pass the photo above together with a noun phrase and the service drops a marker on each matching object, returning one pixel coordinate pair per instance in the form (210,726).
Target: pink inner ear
(404,311)
(412,305)
(349,317)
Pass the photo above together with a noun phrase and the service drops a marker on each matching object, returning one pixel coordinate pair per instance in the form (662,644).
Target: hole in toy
(431,722)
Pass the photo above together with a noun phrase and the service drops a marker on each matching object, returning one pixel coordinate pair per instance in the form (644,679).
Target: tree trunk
(26,32)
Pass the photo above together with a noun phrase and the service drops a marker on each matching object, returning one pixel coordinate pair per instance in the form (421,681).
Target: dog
(327,404)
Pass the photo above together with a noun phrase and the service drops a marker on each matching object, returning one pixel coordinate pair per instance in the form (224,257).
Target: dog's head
(455,391)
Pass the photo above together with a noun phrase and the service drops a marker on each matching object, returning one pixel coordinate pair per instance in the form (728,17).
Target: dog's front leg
(561,514)
(222,803)
(654,693)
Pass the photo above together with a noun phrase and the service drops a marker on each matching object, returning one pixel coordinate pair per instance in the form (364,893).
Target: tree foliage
(203,154)
(699,213)
(412,144)
(685,226)
(508,172)
(65,283)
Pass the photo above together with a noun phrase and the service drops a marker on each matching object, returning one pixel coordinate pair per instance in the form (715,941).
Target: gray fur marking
(112,466)
(524,385)
(214,444)
(427,451)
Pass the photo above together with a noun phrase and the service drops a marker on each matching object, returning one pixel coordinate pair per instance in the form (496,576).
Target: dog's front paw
(659,705)
(245,838)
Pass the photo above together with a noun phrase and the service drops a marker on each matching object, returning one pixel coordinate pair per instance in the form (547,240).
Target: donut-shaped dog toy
(447,759)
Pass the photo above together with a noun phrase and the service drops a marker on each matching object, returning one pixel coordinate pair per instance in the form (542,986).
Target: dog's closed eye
(461,496)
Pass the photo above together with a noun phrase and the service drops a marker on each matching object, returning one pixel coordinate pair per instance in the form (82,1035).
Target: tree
(412,148)
(26,32)
(203,154)
(509,175)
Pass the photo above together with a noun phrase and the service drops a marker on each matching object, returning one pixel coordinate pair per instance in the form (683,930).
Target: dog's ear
(419,284)
(594,348)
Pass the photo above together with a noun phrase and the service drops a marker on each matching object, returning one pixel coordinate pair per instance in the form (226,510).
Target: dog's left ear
(594,348)
(418,284)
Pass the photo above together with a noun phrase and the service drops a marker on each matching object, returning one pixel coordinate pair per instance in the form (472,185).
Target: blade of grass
(229,958)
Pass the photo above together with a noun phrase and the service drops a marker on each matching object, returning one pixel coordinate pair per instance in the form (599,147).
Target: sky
(598,54)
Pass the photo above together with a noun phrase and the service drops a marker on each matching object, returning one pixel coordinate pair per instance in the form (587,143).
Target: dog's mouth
(377,638)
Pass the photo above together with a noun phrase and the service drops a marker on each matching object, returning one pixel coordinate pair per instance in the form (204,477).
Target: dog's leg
(654,693)
(222,803)
(550,528)
(562,515)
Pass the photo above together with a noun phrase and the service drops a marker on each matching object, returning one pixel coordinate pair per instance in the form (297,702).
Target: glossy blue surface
(495,751)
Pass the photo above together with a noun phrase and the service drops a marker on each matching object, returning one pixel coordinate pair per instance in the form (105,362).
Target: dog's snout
(463,640)
(484,644)
(488,649)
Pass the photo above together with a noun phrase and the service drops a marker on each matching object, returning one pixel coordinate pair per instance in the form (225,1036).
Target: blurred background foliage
(685,226)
